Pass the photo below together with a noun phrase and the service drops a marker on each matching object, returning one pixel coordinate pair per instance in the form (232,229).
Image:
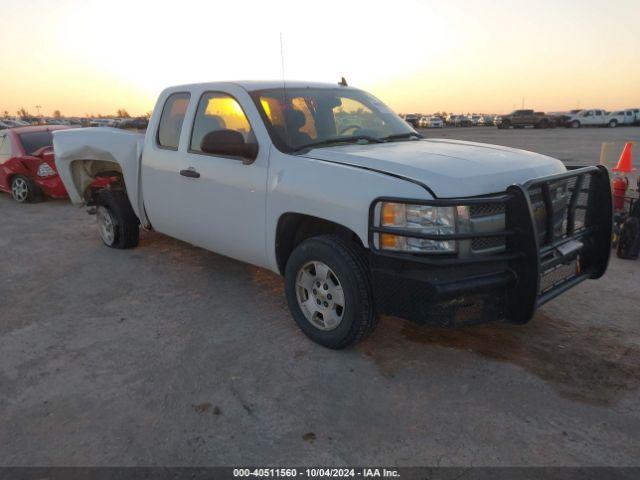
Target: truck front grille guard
(557,233)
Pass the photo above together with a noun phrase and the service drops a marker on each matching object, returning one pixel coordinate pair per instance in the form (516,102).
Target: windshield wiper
(346,139)
(397,136)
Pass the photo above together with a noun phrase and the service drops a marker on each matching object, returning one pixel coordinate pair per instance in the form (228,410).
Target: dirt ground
(171,355)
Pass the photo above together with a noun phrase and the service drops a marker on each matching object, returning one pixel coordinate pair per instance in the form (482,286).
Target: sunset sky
(89,57)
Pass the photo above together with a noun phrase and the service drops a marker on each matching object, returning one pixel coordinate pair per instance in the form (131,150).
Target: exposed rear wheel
(117,223)
(613,124)
(329,291)
(24,190)
(575,124)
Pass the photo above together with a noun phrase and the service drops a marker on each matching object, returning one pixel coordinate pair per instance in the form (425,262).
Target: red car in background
(27,167)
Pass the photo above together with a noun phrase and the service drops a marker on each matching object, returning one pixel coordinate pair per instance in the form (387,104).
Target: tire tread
(354,258)
(128,233)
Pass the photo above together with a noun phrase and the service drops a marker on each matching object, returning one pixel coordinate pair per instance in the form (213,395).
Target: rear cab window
(171,120)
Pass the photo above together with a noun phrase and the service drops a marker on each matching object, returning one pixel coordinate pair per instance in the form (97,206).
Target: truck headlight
(422,219)
(44,170)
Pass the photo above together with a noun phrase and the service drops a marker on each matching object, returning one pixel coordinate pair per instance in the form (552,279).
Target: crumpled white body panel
(99,145)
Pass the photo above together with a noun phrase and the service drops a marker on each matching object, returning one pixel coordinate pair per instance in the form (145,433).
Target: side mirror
(229,143)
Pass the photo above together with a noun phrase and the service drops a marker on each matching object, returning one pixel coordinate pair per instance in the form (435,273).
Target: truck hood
(449,168)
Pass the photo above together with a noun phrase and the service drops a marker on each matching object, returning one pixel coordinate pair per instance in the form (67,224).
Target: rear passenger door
(599,117)
(160,164)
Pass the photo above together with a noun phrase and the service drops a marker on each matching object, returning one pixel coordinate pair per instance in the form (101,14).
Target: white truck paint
(236,205)
(594,118)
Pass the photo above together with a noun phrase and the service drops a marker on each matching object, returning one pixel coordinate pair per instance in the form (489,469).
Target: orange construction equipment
(625,164)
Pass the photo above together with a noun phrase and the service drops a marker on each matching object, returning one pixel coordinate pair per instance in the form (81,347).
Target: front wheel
(613,124)
(24,190)
(575,124)
(329,291)
(117,223)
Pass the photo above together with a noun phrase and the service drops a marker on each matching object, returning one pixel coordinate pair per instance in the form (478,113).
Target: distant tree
(22,113)
(122,113)
(57,114)
(6,113)
(148,115)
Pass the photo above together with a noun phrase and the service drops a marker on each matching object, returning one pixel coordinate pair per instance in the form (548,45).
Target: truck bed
(106,149)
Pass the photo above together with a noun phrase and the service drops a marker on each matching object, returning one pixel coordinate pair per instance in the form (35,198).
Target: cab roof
(252,85)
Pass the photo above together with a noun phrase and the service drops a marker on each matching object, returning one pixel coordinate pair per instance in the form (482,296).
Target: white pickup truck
(593,118)
(325,185)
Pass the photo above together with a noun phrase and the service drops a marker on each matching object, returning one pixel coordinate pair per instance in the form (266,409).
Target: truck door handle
(190,172)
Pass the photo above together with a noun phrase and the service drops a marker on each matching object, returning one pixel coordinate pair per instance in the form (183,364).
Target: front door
(221,199)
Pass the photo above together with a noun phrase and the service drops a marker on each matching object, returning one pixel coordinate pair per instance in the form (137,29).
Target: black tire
(613,124)
(126,226)
(348,261)
(629,239)
(24,190)
(504,125)
(575,124)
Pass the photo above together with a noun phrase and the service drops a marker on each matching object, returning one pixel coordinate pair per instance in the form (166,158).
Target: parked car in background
(636,112)
(412,119)
(458,121)
(560,118)
(474,120)
(134,123)
(625,117)
(11,122)
(525,118)
(27,164)
(4,125)
(431,121)
(592,118)
(102,122)
(27,167)
(486,120)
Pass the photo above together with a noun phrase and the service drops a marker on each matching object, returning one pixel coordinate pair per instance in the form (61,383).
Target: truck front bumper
(551,243)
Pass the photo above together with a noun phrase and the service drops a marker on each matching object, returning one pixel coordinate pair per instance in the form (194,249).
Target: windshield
(34,141)
(298,118)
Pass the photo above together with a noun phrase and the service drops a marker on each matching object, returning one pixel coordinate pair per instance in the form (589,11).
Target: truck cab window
(299,116)
(219,111)
(300,126)
(352,116)
(171,120)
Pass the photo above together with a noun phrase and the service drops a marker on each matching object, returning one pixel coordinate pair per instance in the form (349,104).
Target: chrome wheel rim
(105,225)
(20,189)
(320,295)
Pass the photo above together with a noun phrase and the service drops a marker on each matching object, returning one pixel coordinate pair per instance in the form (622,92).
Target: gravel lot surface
(171,355)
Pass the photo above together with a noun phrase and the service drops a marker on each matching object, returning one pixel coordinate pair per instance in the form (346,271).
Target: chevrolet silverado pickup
(325,185)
